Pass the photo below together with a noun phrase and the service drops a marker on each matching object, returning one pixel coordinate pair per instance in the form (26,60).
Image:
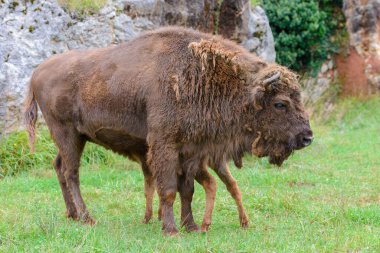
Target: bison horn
(271,79)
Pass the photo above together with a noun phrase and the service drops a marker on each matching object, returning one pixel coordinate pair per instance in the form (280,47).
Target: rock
(360,69)
(123,28)
(319,93)
(91,33)
(239,22)
(330,64)
(196,14)
(324,68)
(259,29)
(138,8)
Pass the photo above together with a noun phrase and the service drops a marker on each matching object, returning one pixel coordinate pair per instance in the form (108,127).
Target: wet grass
(324,199)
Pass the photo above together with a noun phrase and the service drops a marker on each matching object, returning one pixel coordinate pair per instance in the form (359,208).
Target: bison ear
(213,55)
(257,95)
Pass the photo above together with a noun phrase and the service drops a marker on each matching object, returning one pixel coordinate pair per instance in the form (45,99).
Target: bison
(174,99)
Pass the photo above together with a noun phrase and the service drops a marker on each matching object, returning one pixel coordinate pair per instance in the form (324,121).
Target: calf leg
(149,192)
(225,175)
(160,209)
(163,161)
(70,144)
(71,211)
(186,191)
(209,184)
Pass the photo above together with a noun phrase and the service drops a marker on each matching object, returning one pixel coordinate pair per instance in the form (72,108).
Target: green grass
(325,198)
(83,6)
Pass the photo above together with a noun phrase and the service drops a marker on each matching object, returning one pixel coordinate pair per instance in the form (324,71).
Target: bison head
(280,124)
(274,121)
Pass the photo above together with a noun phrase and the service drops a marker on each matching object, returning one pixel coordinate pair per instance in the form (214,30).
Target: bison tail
(30,117)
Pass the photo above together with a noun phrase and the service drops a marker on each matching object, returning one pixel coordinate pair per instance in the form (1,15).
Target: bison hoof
(72,215)
(87,219)
(90,221)
(192,228)
(244,224)
(147,218)
(205,227)
(170,232)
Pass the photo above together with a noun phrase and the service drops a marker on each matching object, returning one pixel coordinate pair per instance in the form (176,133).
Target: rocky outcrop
(359,67)
(319,93)
(239,22)
(31,31)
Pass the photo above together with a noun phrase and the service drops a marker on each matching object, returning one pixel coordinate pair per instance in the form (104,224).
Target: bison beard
(277,152)
(174,100)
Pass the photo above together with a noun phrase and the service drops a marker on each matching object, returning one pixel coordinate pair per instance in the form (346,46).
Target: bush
(302,31)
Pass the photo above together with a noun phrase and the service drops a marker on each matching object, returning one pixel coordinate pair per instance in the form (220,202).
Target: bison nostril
(306,141)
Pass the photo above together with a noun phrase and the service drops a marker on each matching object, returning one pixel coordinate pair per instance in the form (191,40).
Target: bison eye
(280,106)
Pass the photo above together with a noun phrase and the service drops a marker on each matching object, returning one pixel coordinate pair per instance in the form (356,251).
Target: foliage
(324,199)
(303,30)
(255,2)
(84,7)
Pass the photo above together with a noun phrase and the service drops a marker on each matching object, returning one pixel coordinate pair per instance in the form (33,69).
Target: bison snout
(304,139)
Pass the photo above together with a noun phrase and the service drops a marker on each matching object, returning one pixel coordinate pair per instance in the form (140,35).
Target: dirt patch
(364,2)
(369,200)
(351,69)
(300,184)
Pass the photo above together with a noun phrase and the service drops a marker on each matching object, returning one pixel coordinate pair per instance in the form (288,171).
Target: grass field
(325,198)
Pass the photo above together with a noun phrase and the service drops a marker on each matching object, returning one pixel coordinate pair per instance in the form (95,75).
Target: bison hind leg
(71,211)
(70,144)
(149,192)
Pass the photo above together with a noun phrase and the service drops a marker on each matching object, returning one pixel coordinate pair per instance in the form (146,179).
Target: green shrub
(302,30)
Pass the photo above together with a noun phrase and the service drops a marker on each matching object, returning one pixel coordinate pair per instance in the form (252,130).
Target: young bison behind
(173,99)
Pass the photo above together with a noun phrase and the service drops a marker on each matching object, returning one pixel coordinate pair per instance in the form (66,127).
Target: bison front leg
(186,191)
(163,161)
(159,212)
(225,175)
(209,185)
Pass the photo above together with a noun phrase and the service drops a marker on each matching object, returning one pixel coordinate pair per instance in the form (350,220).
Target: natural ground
(325,198)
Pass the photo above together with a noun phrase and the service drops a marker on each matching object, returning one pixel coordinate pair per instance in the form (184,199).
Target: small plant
(84,7)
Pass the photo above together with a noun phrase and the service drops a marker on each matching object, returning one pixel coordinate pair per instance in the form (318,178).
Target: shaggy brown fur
(173,99)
